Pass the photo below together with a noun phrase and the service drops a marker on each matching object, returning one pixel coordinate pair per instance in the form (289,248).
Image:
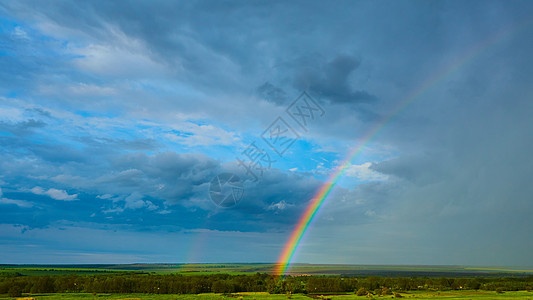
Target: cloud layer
(115,117)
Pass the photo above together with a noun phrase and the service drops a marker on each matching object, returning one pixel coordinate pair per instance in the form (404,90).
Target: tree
(404,284)
(222,286)
(44,284)
(474,284)
(15,291)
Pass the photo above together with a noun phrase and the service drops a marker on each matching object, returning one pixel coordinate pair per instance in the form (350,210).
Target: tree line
(226,283)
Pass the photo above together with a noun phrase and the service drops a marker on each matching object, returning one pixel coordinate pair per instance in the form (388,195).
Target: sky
(117,118)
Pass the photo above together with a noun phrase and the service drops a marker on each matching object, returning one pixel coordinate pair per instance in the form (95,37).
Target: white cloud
(55,194)
(61,195)
(20,33)
(20,203)
(37,190)
(370,213)
(364,173)
(113,210)
(150,205)
(127,57)
(202,135)
(135,201)
(282,205)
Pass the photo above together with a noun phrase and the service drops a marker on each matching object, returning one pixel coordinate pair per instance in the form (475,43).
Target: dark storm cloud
(183,180)
(203,52)
(330,79)
(167,30)
(326,79)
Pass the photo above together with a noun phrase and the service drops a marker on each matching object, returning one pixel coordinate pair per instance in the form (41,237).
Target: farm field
(296,269)
(411,295)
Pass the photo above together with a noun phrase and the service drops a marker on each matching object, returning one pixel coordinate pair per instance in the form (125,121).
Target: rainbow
(286,256)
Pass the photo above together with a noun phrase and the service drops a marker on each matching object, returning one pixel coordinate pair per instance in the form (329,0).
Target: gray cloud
(330,79)
(23,127)
(272,93)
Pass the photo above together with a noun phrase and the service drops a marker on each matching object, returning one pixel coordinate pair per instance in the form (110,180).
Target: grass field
(296,269)
(411,295)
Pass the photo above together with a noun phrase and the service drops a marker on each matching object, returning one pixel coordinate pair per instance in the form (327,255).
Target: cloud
(20,33)
(282,205)
(20,203)
(269,92)
(191,134)
(79,89)
(135,201)
(55,194)
(23,127)
(330,79)
(364,172)
(137,108)
(126,56)
(79,242)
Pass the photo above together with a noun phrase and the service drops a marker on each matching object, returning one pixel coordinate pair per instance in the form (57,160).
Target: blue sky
(115,117)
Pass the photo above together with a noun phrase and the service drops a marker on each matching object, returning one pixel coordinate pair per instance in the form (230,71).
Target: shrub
(361,292)
(386,291)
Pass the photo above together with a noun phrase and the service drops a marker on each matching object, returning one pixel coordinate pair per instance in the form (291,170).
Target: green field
(296,269)
(236,296)
(208,281)
(40,271)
